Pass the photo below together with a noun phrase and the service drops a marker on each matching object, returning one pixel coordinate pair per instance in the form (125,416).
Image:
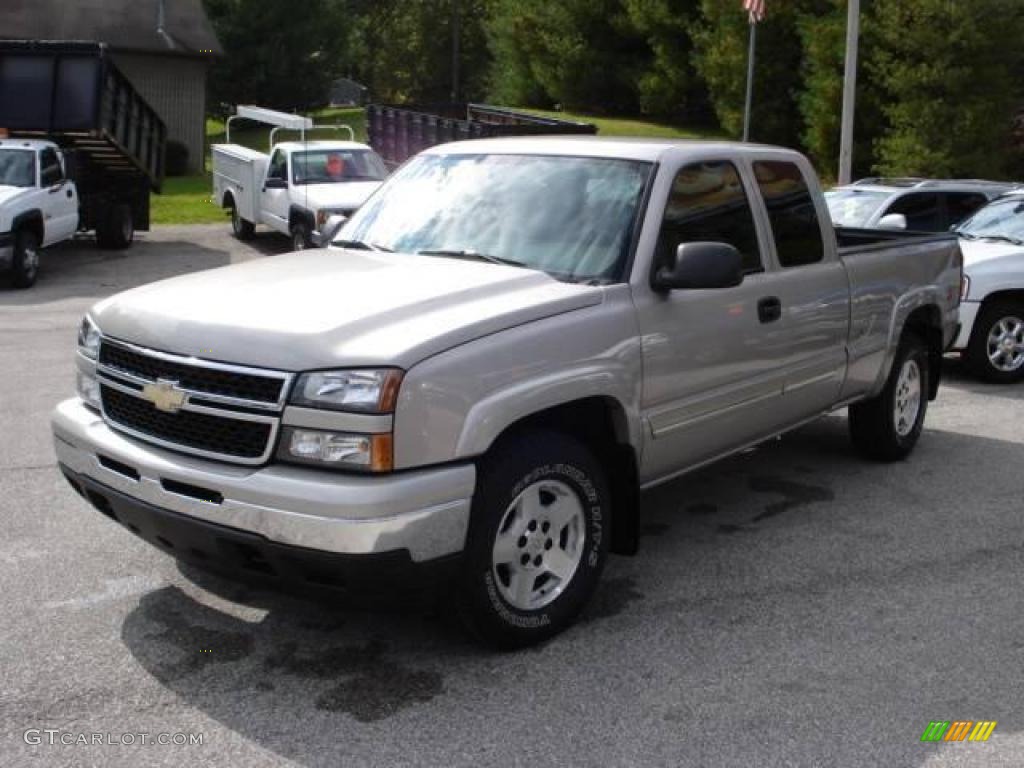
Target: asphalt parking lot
(792,606)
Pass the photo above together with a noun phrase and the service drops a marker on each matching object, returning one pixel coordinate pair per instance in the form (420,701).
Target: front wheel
(301,236)
(887,427)
(538,539)
(25,264)
(996,350)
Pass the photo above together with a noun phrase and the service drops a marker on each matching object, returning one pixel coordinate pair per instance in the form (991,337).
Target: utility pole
(849,92)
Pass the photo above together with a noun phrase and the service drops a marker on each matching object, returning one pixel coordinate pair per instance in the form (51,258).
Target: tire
(25,261)
(117,230)
(995,352)
(887,427)
(242,228)
(509,595)
(301,236)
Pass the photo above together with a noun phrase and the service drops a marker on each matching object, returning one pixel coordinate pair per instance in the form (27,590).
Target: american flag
(754,9)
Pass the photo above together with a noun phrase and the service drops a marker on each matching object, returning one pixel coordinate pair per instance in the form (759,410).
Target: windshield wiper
(1003,239)
(360,245)
(474,255)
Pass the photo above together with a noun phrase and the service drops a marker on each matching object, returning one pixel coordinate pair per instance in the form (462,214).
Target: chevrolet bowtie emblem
(165,395)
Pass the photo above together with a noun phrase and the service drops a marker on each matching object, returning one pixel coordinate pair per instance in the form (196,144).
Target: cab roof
(612,147)
(298,146)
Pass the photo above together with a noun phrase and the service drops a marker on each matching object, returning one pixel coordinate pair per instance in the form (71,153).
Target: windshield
(1002,219)
(328,166)
(17,167)
(853,207)
(571,217)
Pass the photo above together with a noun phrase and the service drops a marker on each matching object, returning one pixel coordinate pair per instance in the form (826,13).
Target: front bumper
(6,249)
(423,514)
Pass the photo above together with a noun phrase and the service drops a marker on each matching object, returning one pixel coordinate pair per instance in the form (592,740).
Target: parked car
(991,335)
(519,336)
(80,150)
(298,186)
(922,205)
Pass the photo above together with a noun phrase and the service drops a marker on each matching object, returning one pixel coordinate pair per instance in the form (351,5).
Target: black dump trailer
(399,132)
(71,93)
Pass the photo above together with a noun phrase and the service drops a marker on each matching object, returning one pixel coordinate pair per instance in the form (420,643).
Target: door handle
(69,194)
(769,309)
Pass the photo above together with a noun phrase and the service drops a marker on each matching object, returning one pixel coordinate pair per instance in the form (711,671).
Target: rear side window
(960,205)
(791,213)
(707,203)
(921,209)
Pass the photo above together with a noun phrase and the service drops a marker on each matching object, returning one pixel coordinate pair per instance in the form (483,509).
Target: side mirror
(329,230)
(275,183)
(893,221)
(701,266)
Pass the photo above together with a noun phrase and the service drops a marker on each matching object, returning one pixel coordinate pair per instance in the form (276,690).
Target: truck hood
(980,252)
(327,308)
(347,194)
(9,194)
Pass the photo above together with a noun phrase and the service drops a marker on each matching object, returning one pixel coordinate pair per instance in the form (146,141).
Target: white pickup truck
(298,186)
(39,207)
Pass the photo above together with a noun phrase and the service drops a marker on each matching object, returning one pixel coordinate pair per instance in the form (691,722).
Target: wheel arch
(602,424)
(298,213)
(926,322)
(31,220)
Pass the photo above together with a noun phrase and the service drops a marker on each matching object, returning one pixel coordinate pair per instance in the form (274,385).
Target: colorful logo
(958,730)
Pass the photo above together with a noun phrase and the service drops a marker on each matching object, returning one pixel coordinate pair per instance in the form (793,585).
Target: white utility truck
(298,186)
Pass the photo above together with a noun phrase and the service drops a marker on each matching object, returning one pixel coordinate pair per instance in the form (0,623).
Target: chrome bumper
(425,512)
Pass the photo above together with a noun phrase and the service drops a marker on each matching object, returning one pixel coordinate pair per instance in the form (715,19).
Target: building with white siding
(163,46)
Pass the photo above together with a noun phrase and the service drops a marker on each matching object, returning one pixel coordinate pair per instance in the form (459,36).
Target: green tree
(402,49)
(823,40)
(275,55)
(667,83)
(720,55)
(582,54)
(947,72)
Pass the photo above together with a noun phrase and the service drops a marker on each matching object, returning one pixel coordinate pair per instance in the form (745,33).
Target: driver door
(274,200)
(713,359)
(60,204)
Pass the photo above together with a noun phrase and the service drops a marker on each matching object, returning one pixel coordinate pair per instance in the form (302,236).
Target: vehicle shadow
(955,373)
(80,269)
(792,605)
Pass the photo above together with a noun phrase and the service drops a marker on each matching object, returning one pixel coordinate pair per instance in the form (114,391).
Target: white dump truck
(299,185)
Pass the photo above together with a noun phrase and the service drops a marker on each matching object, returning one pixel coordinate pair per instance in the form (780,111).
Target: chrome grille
(215,410)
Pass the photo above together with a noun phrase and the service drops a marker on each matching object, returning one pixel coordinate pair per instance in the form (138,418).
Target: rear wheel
(538,539)
(25,263)
(242,228)
(996,350)
(887,427)
(117,230)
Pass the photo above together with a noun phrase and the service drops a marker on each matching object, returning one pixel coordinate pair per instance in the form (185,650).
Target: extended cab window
(707,203)
(50,170)
(791,213)
(921,210)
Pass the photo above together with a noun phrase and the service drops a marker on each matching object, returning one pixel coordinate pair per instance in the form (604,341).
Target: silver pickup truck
(505,344)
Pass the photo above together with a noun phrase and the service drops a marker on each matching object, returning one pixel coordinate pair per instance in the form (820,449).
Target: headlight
(88,389)
(321,218)
(965,287)
(362,390)
(338,449)
(88,338)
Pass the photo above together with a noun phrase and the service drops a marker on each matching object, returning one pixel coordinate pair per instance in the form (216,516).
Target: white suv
(992,313)
(916,204)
